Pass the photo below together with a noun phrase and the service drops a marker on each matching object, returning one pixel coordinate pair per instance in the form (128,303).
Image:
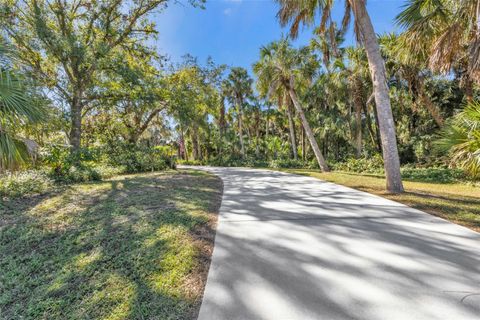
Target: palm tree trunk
(377,130)
(240,127)
(368,122)
(308,131)
(358,103)
(304,151)
(432,109)
(291,126)
(221,125)
(382,99)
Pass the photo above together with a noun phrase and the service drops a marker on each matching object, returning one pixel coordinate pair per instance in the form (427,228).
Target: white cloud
(227,11)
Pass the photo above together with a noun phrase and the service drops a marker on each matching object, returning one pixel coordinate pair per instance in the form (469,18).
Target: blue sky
(232,31)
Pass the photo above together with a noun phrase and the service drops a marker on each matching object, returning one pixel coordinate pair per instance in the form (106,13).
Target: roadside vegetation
(132,247)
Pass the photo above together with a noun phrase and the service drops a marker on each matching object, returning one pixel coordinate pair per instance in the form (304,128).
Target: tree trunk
(308,130)
(181,146)
(291,126)
(382,99)
(304,151)
(195,143)
(358,103)
(468,87)
(377,130)
(221,124)
(432,109)
(257,133)
(199,145)
(368,122)
(240,127)
(76,125)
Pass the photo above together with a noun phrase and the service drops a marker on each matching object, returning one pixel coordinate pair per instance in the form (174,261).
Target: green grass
(133,247)
(457,202)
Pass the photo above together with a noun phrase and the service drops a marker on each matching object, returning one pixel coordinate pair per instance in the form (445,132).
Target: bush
(139,158)
(74,173)
(24,183)
(85,165)
(437,175)
(192,162)
(361,165)
(105,171)
(287,163)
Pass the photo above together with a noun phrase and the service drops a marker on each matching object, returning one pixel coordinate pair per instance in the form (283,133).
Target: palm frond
(13,151)
(461,140)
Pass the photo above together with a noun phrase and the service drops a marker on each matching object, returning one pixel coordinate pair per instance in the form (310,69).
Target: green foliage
(287,163)
(16,108)
(17,184)
(194,162)
(68,167)
(461,140)
(83,165)
(139,158)
(437,175)
(373,164)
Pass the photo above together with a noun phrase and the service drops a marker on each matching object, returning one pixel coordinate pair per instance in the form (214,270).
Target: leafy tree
(192,99)
(135,92)
(67,45)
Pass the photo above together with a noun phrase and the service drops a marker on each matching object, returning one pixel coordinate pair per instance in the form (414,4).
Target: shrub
(75,173)
(438,175)
(139,158)
(287,163)
(84,165)
(361,165)
(105,171)
(24,183)
(192,162)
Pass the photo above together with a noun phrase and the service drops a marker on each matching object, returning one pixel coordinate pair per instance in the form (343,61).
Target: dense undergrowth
(57,166)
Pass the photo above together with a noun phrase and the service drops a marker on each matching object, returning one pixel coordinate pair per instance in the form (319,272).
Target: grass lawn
(457,202)
(134,247)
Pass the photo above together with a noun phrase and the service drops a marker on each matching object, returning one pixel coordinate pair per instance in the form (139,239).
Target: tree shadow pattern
(134,247)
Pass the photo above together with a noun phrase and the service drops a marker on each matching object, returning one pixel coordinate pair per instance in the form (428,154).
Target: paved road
(293,247)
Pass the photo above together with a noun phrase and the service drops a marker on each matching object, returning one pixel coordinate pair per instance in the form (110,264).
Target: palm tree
(304,12)
(283,101)
(400,62)
(283,68)
(445,34)
(461,139)
(16,108)
(239,87)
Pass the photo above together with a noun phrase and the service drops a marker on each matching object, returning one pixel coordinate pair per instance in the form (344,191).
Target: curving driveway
(294,247)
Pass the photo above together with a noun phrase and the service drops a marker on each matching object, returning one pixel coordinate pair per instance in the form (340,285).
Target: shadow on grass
(136,248)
